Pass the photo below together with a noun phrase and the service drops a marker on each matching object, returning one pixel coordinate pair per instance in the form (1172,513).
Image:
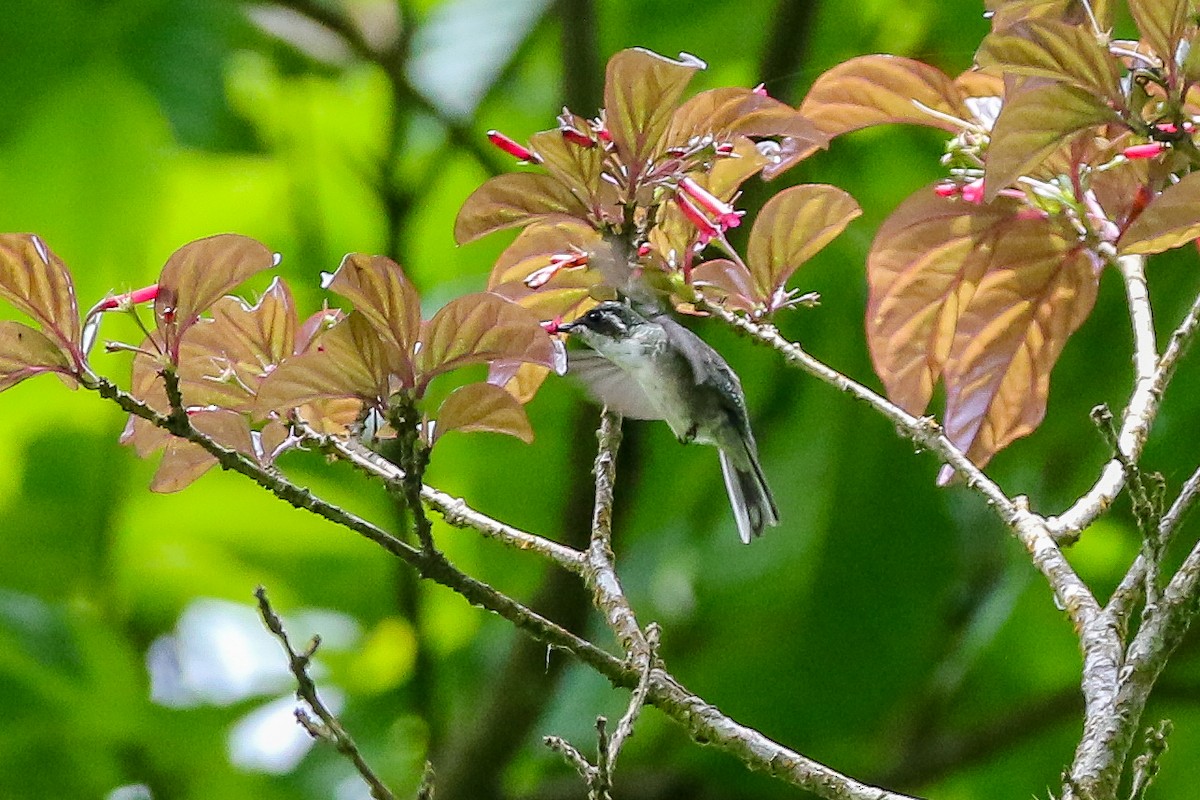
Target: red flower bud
(1147,150)
(973,191)
(708,230)
(726,215)
(578,137)
(129,298)
(512,147)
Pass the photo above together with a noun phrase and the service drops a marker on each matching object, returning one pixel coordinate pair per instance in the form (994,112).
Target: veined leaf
(732,112)
(1162,23)
(793,226)
(880,89)
(1171,219)
(383,295)
(922,271)
(1050,49)
(727,282)
(1037,290)
(578,168)
(479,328)
(199,273)
(25,352)
(183,462)
(534,246)
(641,90)
(1036,119)
(483,407)
(519,379)
(346,361)
(37,282)
(223,359)
(516,198)
(1008,12)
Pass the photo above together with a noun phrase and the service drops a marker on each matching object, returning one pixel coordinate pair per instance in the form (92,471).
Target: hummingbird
(651,367)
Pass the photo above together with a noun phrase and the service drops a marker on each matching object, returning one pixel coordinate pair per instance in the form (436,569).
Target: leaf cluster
(1070,150)
(244,373)
(627,202)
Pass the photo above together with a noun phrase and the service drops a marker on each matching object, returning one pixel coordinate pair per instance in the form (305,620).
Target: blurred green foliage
(888,628)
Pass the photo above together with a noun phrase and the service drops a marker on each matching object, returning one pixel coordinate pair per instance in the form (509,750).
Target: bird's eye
(606,323)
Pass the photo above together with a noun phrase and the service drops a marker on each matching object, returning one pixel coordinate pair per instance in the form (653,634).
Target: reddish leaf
(1162,24)
(382,294)
(183,461)
(516,198)
(578,168)
(641,90)
(200,272)
(25,352)
(1056,51)
(521,380)
(1037,291)
(790,229)
(879,89)
(479,328)
(1073,12)
(37,282)
(222,360)
(727,175)
(1171,219)
(1037,118)
(727,282)
(346,361)
(730,113)
(483,407)
(535,245)
(146,384)
(922,271)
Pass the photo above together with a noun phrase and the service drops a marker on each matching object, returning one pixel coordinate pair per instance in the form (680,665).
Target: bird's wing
(611,385)
(707,365)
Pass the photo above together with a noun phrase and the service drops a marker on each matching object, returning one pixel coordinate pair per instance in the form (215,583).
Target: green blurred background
(889,629)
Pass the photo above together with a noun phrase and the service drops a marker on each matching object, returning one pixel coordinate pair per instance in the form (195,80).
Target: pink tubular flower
(973,192)
(1147,150)
(725,214)
(708,230)
(760,90)
(946,189)
(577,137)
(142,295)
(558,262)
(512,147)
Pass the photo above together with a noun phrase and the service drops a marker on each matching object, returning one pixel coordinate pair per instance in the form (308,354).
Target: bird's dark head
(609,320)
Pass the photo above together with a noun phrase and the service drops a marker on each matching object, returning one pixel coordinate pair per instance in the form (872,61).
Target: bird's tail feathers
(753,506)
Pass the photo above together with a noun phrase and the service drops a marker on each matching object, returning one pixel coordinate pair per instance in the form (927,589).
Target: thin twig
(433,566)
(329,728)
(636,701)
(455,511)
(1151,375)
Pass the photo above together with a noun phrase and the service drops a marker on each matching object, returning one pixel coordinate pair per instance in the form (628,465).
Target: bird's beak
(565,327)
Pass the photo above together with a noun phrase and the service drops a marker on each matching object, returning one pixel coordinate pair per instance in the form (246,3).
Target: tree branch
(455,510)
(1151,376)
(329,728)
(600,571)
